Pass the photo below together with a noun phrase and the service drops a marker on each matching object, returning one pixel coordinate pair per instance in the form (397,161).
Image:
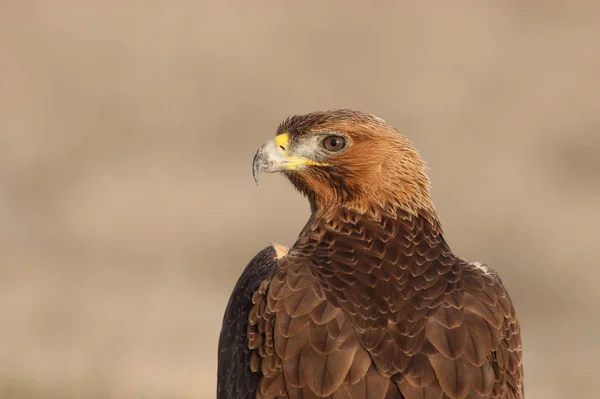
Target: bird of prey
(370,301)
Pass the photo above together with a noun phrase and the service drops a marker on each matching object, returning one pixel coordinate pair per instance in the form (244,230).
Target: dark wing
(235,379)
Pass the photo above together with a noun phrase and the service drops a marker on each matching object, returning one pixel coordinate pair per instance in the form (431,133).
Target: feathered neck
(362,261)
(359,230)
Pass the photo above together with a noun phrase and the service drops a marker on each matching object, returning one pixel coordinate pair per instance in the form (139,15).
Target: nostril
(282,147)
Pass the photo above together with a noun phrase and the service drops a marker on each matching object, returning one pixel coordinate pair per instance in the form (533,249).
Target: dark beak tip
(256,164)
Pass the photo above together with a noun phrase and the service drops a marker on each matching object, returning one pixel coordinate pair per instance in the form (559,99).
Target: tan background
(128,209)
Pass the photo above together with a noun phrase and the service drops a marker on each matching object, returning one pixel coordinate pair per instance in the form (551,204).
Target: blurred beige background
(128,209)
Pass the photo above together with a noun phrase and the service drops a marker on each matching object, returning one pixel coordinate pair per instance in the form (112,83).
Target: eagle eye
(334,143)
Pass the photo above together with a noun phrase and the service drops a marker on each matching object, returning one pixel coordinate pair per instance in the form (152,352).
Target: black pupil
(334,143)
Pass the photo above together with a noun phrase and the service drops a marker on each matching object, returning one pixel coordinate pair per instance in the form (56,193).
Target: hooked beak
(273,157)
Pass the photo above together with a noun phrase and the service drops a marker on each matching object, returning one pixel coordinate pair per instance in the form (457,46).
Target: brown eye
(334,143)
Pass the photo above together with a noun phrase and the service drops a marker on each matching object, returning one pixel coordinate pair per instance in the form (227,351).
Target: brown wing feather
(316,350)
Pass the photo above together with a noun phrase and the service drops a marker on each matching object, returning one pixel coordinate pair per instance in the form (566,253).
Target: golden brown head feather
(379,168)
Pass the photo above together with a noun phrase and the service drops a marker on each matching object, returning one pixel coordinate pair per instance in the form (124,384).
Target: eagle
(370,301)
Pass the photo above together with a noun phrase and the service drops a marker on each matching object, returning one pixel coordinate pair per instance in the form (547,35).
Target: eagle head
(347,158)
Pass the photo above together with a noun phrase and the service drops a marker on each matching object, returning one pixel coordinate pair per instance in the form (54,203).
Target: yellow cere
(282,143)
(282,140)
